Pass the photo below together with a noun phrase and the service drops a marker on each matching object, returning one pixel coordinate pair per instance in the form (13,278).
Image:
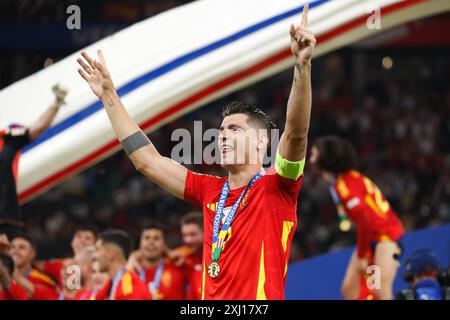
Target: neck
(150,262)
(24,268)
(239,176)
(115,267)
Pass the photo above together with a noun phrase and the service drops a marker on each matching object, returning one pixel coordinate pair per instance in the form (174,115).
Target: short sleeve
(284,188)
(194,189)
(53,268)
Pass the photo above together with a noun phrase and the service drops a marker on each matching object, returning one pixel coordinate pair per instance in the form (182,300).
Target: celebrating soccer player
(163,279)
(83,246)
(113,248)
(189,256)
(249,217)
(36,284)
(12,139)
(378,228)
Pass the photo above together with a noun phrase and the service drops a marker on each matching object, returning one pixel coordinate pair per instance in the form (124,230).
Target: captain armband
(134,142)
(289,169)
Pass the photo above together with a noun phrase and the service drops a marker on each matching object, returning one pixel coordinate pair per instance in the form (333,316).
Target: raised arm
(165,172)
(293,142)
(46,119)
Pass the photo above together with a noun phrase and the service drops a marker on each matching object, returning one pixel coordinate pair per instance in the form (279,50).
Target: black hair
(154,226)
(26,238)
(336,155)
(87,227)
(119,238)
(255,114)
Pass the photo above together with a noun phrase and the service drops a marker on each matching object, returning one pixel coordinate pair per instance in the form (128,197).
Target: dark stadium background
(391,98)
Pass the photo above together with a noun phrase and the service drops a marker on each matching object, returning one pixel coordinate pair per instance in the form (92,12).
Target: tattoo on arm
(299,68)
(109,101)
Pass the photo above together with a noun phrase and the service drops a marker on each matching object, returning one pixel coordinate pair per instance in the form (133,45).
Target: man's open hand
(96,74)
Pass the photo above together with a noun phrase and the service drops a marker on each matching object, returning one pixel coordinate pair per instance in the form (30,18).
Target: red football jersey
(14,292)
(192,273)
(254,259)
(171,286)
(364,292)
(53,268)
(365,205)
(45,286)
(129,287)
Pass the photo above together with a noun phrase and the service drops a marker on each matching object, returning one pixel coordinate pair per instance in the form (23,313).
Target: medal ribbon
(218,238)
(117,278)
(341,212)
(155,284)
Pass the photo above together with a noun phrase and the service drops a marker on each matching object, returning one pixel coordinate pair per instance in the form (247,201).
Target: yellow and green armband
(289,169)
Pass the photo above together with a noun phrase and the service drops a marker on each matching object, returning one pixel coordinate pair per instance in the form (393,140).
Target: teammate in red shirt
(245,256)
(82,244)
(12,140)
(163,279)
(38,285)
(99,280)
(189,256)
(9,289)
(358,198)
(112,250)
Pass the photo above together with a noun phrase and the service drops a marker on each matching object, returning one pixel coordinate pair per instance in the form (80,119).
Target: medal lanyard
(341,212)
(155,284)
(92,295)
(218,238)
(158,274)
(117,278)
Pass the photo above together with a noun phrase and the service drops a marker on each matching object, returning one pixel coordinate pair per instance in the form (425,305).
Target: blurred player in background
(12,139)
(68,290)
(246,257)
(99,278)
(163,279)
(9,288)
(189,256)
(83,247)
(113,248)
(36,284)
(378,228)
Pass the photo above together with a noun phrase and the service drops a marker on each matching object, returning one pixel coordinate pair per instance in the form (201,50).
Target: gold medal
(213,269)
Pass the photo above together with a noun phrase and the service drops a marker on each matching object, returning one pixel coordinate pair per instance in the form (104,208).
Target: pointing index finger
(304,22)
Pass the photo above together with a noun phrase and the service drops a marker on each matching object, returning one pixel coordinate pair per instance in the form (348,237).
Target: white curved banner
(162,73)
